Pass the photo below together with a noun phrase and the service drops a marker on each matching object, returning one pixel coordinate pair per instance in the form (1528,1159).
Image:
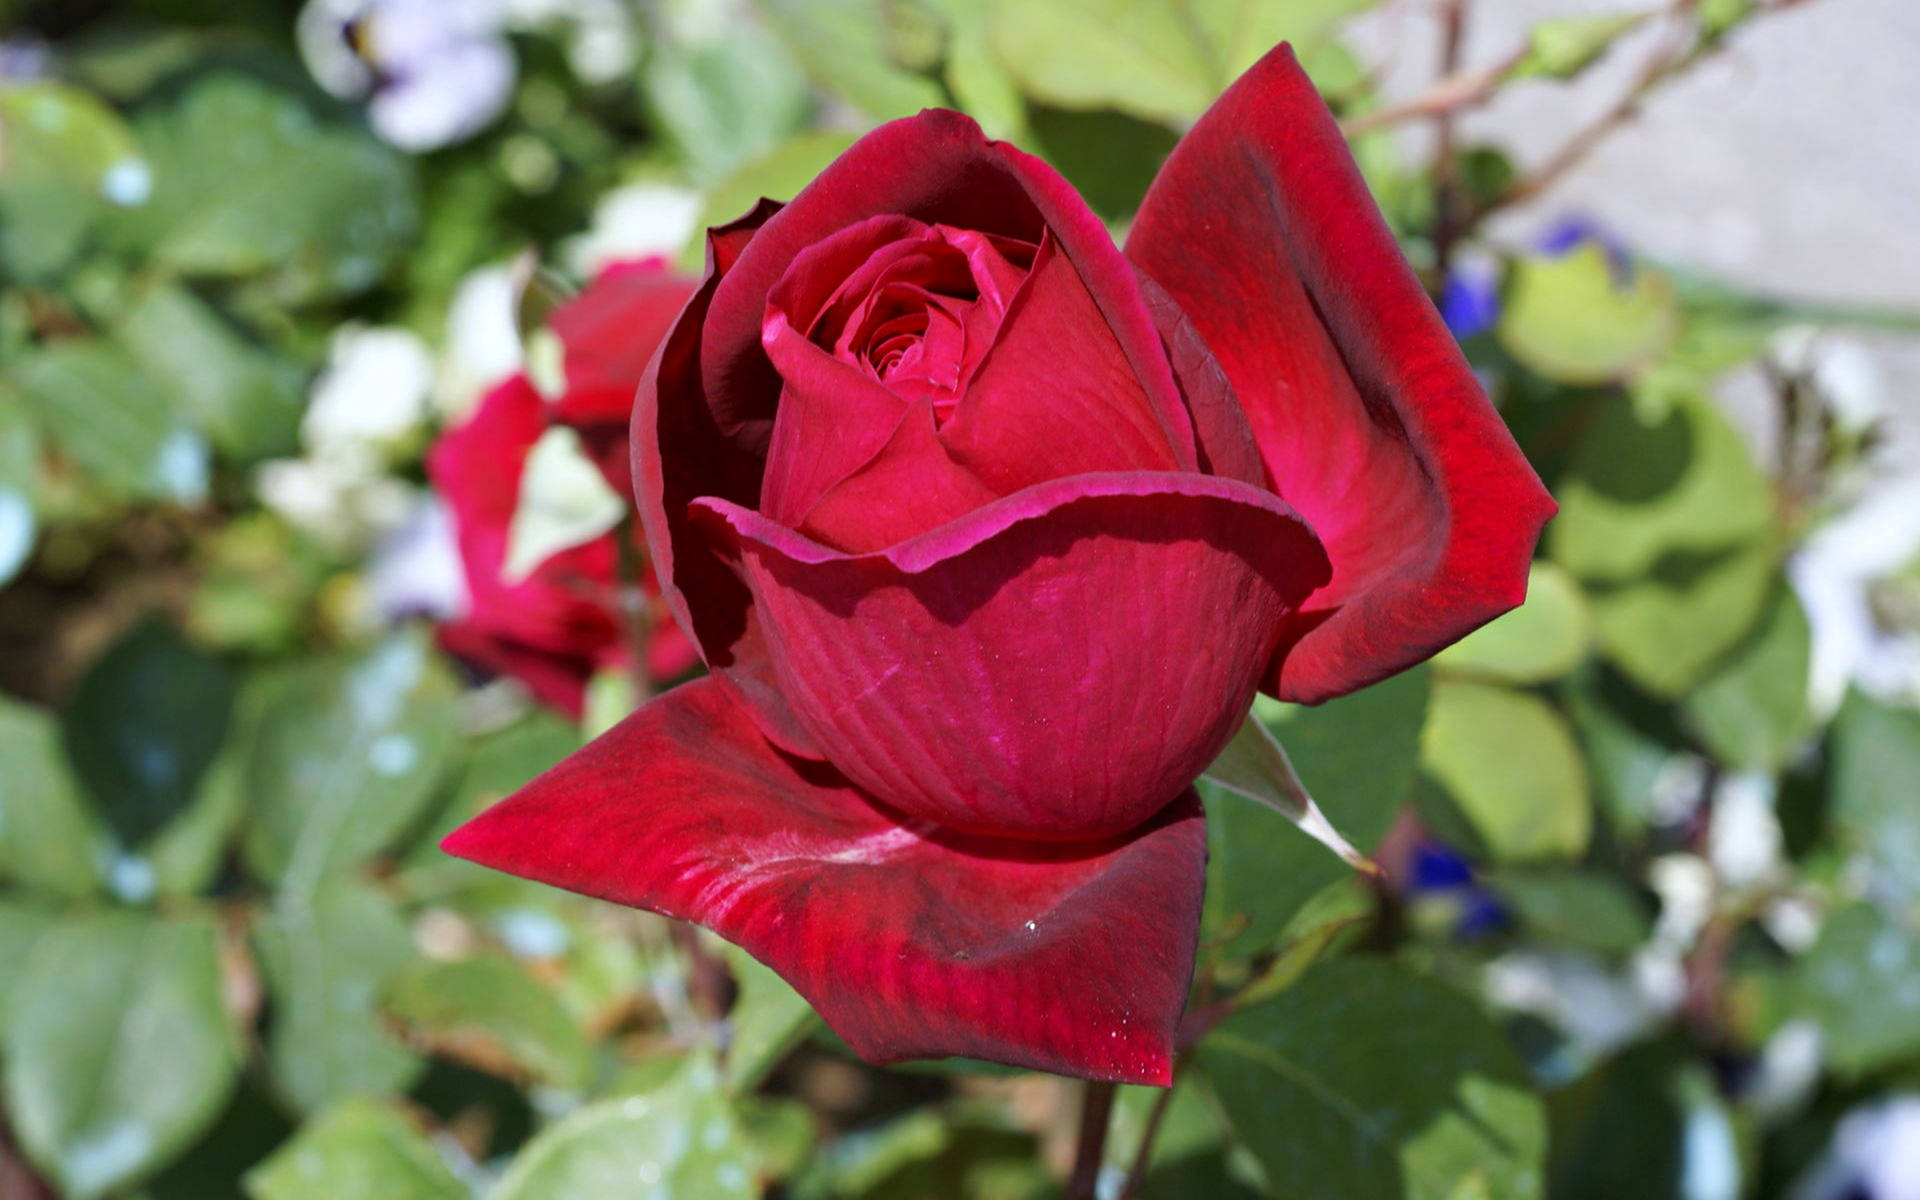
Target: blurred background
(275,277)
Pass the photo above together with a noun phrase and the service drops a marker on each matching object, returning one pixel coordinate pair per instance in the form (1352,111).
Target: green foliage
(1508,764)
(1386,1084)
(680,1138)
(357,1150)
(118,1051)
(1569,318)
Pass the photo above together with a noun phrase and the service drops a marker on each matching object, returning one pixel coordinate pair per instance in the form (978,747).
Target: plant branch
(1446,174)
(1143,1156)
(1096,1111)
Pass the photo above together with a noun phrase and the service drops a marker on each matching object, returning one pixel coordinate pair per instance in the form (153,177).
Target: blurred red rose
(553,624)
(988,533)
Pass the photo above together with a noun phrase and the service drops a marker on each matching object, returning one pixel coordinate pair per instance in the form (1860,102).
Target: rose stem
(1096,1106)
(1143,1156)
(709,984)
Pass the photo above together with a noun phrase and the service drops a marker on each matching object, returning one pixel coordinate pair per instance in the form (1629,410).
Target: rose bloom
(566,618)
(988,533)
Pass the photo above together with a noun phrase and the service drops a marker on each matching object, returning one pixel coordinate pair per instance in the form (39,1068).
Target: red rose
(988,533)
(563,620)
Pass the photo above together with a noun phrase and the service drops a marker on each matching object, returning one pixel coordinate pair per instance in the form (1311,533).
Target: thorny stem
(709,984)
(1096,1109)
(1143,1156)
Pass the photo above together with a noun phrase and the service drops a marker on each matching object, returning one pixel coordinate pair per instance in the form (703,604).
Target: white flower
(640,220)
(1744,838)
(372,395)
(416,569)
(482,344)
(1831,574)
(342,500)
(1875,1152)
(437,71)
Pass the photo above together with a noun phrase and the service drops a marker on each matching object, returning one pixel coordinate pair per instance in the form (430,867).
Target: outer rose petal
(1073,959)
(1370,422)
(679,453)
(1060,663)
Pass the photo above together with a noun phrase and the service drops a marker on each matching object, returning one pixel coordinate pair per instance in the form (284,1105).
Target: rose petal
(609,331)
(1058,664)
(1370,422)
(564,612)
(1224,438)
(910,486)
(1073,959)
(670,412)
(1056,394)
(833,417)
(959,178)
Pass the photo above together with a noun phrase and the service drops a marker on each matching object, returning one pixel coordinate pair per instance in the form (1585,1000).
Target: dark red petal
(910,486)
(1056,394)
(1225,439)
(833,417)
(1370,422)
(938,168)
(679,453)
(1073,959)
(550,629)
(1058,664)
(609,331)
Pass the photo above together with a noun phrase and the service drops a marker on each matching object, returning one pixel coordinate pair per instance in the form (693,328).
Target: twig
(1463,89)
(1096,1109)
(1143,1156)
(1446,175)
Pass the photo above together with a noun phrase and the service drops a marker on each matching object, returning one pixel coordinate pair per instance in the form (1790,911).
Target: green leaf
(143,726)
(245,399)
(1569,318)
(1163,60)
(248,184)
(1357,755)
(1876,759)
(22,922)
(1148,58)
(1562,47)
(1543,639)
(769,1019)
(488,1012)
(1109,157)
(681,1140)
(1627,744)
(722,103)
(357,1150)
(1620,1130)
(778,174)
(1580,908)
(1510,765)
(118,1051)
(1240,32)
(1335,909)
(186,856)
(1384,1083)
(97,407)
(842,45)
(48,841)
(326,958)
(1752,710)
(1668,524)
(497,765)
(1861,982)
(68,160)
(346,755)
